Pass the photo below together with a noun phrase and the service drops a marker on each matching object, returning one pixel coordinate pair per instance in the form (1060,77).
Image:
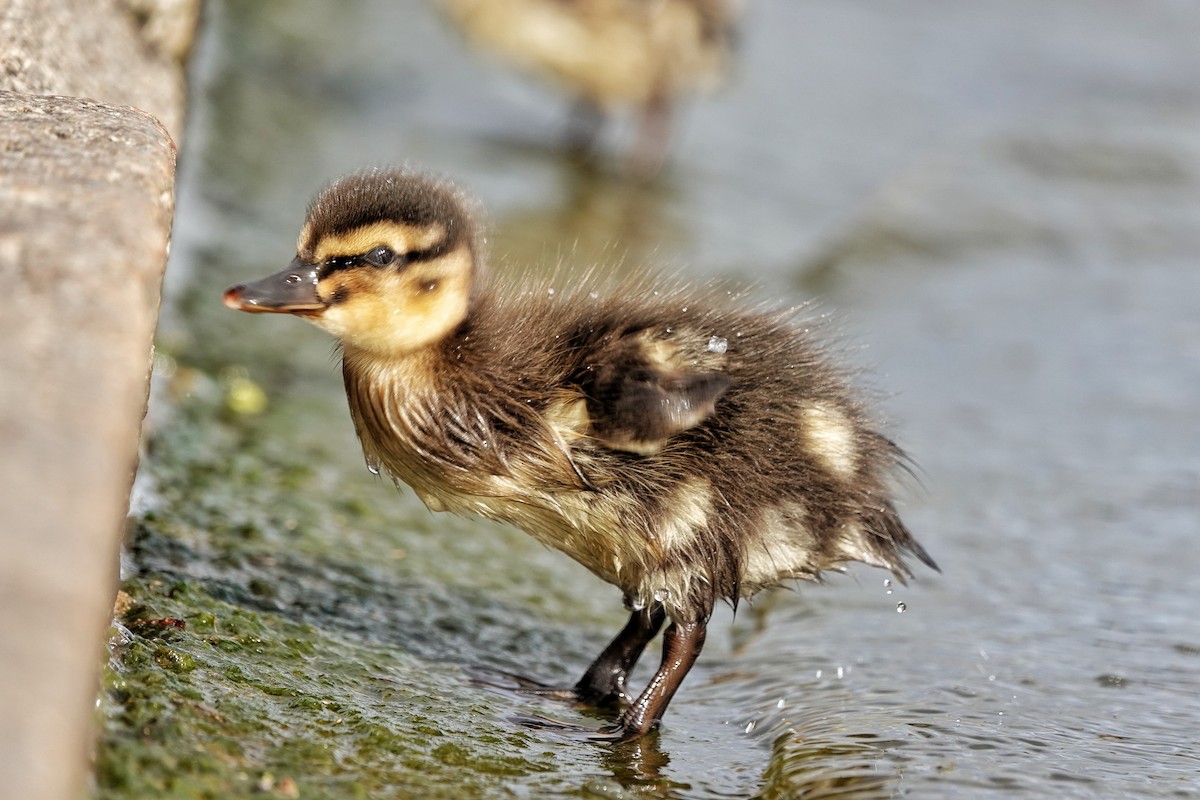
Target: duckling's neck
(429,418)
(393,399)
(407,372)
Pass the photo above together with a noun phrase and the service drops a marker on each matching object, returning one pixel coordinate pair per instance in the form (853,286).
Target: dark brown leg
(583,130)
(681,646)
(604,681)
(653,138)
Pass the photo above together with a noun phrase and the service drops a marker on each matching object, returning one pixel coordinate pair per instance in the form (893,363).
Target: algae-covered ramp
(86,197)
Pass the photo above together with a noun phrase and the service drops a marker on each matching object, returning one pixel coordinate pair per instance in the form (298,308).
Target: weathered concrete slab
(125,52)
(86,200)
(85,214)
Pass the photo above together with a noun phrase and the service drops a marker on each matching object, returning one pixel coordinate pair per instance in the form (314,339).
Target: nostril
(293,278)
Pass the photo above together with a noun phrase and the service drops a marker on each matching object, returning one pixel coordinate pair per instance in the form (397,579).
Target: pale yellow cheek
(397,321)
(354,321)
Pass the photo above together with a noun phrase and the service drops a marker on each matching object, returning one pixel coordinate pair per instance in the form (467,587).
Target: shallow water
(1001,209)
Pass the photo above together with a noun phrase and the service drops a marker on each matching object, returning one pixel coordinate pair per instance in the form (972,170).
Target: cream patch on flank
(664,355)
(830,436)
(595,529)
(853,546)
(672,587)
(783,549)
(685,514)
(568,417)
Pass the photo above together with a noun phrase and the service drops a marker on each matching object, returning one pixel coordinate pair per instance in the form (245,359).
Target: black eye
(380,256)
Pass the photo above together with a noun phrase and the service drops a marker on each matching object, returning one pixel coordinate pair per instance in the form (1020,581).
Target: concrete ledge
(86,200)
(126,52)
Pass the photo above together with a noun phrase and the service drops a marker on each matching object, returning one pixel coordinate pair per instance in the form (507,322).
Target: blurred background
(998,205)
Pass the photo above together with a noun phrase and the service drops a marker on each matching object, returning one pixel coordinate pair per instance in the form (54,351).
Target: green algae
(279,625)
(211,709)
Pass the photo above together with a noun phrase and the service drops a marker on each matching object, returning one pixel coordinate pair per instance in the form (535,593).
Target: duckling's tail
(914,547)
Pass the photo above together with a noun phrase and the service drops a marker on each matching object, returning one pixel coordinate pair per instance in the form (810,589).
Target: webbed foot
(616,733)
(509,683)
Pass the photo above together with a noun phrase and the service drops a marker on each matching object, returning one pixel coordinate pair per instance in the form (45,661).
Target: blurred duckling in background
(610,55)
(682,446)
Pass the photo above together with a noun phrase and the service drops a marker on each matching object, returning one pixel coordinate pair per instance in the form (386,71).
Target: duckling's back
(678,445)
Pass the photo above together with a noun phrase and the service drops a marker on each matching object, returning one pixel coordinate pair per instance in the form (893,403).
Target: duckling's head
(385,262)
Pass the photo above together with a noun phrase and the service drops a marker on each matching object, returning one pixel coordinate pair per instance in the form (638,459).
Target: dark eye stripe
(340,263)
(424,255)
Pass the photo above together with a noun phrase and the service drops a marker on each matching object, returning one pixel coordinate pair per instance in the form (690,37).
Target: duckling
(611,54)
(681,445)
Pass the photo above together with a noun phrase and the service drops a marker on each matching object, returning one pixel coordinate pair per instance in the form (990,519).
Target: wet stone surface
(1000,207)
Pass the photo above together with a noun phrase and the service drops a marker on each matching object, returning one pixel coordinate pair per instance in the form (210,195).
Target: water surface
(1000,209)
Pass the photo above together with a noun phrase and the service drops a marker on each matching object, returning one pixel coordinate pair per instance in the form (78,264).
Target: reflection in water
(605,222)
(610,55)
(745,638)
(811,757)
(638,766)
(804,765)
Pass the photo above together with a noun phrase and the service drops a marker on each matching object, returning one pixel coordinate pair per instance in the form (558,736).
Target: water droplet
(781,703)
(661,595)
(685,309)
(820,672)
(550,291)
(887,582)
(372,467)
(594,295)
(841,672)
(718,345)
(901,607)
(751,725)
